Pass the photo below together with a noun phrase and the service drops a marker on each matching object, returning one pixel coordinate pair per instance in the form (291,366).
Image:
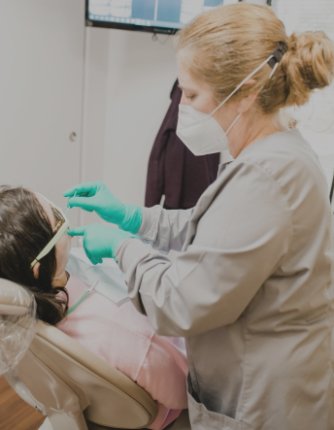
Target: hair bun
(308,64)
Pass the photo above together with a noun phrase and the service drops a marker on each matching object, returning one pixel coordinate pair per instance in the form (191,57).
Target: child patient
(34,251)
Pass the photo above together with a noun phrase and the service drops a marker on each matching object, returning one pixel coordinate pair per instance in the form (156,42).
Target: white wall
(41,87)
(128,79)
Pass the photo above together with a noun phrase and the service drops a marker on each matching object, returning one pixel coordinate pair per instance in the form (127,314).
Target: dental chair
(71,386)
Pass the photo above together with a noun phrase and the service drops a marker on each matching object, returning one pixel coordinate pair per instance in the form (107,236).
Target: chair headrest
(17,323)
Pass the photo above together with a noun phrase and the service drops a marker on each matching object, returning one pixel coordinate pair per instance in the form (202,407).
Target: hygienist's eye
(190,96)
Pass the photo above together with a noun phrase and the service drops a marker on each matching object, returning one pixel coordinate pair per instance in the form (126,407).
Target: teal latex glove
(100,241)
(95,196)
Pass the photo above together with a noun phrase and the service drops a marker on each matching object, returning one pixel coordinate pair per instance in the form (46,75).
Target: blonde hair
(222,46)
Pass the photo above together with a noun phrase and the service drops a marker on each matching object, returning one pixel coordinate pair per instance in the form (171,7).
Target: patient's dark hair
(24,230)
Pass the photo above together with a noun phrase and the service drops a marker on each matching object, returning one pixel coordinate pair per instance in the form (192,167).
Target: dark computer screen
(157,16)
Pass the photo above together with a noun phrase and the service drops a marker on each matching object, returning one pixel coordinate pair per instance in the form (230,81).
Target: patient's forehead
(46,204)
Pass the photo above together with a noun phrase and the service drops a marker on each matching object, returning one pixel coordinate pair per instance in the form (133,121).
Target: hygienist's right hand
(95,196)
(100,241)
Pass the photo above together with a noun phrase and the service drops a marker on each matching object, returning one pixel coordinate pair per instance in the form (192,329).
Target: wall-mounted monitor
(156,16)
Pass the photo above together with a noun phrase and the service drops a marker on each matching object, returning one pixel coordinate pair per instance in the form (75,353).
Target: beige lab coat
(246,277)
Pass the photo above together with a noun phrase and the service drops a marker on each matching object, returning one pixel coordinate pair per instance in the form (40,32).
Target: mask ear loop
(273,71)
(247,78)
(236,119)
(277,56)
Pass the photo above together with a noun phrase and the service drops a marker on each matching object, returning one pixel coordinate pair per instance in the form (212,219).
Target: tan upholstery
(71,385)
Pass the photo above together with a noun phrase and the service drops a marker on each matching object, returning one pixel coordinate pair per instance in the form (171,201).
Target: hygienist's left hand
(100,241)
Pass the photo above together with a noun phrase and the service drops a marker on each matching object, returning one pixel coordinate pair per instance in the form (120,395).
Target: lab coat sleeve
(164,229)
(239,242)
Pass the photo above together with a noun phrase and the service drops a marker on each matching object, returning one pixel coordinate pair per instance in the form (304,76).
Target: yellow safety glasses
(62,225)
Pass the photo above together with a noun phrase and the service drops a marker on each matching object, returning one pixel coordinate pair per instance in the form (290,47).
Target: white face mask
(200,131)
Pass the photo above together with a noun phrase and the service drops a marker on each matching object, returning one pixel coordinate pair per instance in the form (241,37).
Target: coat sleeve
(239,242)
(165,229)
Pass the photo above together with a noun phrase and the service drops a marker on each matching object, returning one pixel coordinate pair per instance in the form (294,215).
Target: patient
(34,251)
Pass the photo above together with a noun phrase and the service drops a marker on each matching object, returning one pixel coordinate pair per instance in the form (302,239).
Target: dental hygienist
(246,275)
